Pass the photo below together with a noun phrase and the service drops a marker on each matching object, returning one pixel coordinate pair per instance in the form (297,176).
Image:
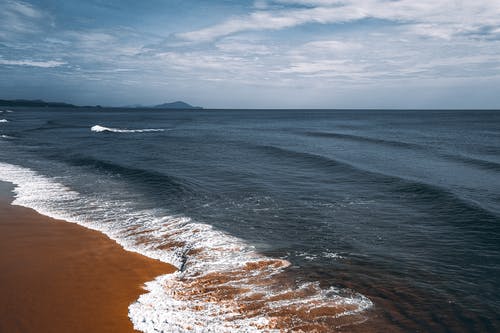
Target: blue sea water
(389,220)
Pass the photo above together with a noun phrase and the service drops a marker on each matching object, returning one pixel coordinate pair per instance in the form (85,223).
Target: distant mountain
(176,105)
(40,103)
(34,103)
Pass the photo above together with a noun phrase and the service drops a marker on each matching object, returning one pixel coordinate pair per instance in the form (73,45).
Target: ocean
(280,220)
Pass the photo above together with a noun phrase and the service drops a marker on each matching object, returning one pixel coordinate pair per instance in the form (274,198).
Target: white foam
(4,121)
(173,303)
(3,136)
(332,255)
(99,128)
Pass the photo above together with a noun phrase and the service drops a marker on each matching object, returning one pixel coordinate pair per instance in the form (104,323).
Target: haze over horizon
(253,54)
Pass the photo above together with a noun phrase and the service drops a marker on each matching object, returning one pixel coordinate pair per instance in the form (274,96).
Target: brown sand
(57,276)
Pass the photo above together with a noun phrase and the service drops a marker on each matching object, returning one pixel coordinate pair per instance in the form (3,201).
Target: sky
(253,54)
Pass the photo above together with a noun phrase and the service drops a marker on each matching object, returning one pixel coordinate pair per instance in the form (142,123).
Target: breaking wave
(99,128)
(222,283)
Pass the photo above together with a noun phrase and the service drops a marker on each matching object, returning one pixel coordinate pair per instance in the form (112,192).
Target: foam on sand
(223,284)
(99,128)
(100,291)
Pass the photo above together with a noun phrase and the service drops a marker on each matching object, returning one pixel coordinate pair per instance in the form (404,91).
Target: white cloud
(24,9)
(450,17)
(189,61)
(17,17)
(272,20)
(318,66)
(331,46)
(241,47)
(32,63)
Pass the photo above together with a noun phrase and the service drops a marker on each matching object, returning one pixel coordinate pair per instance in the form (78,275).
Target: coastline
(59,277)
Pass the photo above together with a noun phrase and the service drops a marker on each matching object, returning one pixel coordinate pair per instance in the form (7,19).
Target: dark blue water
(400,206)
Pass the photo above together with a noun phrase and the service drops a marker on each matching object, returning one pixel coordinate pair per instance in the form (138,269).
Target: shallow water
(281,219)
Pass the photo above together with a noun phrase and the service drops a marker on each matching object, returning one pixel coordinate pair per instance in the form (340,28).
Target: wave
(457,210)
(422,192)
(53,125)
(480,163)
(3,136)
(141,176)
(99,128)
(358,138)
(463,159)
(313,160)
(222,285)
(4,121)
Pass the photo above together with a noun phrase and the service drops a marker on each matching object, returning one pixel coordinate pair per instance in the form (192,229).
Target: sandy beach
(57,276)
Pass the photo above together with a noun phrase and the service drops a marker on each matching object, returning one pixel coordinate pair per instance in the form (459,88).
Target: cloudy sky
(253,54)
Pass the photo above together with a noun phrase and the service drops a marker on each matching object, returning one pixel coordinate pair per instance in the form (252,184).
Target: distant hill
(40,103)
(176,105)
(34,103)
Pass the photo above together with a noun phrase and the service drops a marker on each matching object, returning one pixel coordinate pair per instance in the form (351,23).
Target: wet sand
(57,276)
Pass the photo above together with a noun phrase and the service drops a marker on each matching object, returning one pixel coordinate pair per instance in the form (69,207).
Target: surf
(100,129)
(223,283)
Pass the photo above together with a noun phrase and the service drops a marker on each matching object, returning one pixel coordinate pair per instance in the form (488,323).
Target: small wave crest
(223,284)
(475,162)
(99,128)
(358,138)
(4,121)
(144,176)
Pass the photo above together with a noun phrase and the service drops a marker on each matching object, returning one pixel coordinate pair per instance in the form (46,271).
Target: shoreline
(206,297)
(58,276)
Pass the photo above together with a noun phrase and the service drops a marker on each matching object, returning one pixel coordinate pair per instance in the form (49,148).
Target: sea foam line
(223,284)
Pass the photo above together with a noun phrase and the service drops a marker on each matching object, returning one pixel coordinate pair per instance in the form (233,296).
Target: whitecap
(99,128)
(4,121)
(332,255)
